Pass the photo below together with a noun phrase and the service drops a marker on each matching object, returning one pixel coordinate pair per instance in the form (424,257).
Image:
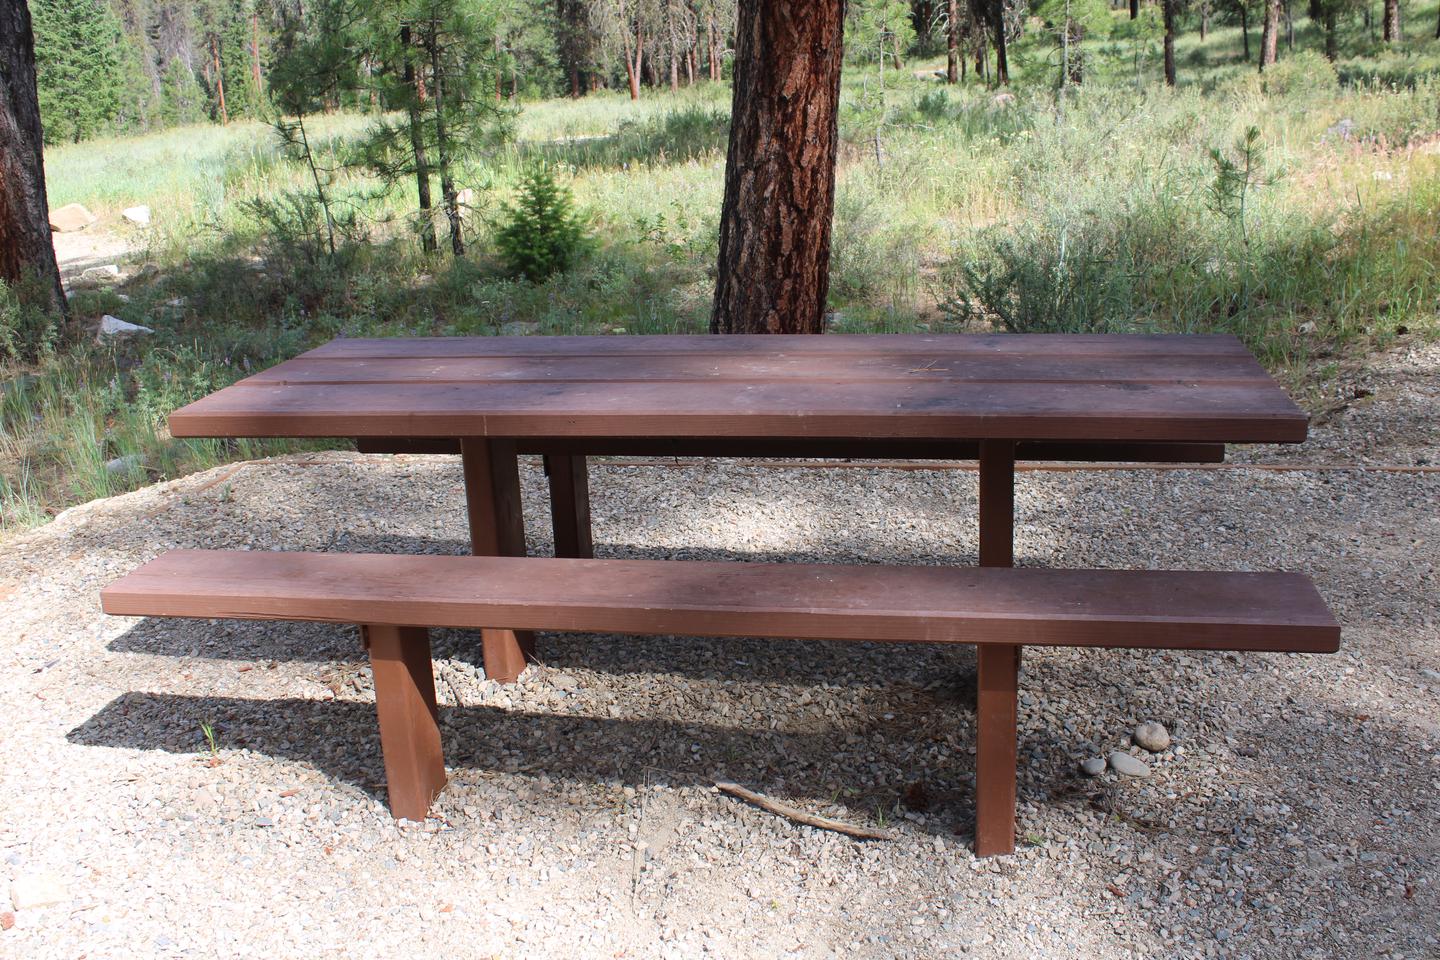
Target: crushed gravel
(1294,813)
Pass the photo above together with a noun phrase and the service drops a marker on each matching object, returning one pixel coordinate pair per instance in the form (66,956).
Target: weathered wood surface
(1101,608)
(845,448)
(1205,389)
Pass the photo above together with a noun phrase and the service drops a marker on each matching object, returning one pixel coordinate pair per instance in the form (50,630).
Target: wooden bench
(396,598)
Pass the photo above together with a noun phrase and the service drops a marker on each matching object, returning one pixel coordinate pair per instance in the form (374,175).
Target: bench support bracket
(998,665)
(409,718)
(497,529)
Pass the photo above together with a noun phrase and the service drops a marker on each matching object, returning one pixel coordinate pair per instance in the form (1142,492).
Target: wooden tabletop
(1051,387)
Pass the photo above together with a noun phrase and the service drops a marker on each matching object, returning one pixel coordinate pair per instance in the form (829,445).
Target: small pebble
(1092,767)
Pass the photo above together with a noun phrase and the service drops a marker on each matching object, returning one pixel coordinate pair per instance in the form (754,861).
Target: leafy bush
(541,234)
(1303,74)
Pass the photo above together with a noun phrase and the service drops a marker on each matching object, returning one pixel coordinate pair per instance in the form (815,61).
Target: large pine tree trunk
(414,81)
(26,251)
(1390,26)
(774,265)
(997,26)
(1327,20)
(255,50)
(1134,9)
(952,44)
(1270,35)
(1167,8)
(448,193)
(219,79)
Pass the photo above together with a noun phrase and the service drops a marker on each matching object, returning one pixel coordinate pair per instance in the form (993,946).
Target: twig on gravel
(800,816)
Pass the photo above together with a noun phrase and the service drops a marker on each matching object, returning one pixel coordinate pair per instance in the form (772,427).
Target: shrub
(1303,74)
(541,234)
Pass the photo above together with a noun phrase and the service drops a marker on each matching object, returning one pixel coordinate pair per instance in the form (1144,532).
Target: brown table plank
(1021,411)
(1104,608)
(843,448)
(998,369)
(1063,345)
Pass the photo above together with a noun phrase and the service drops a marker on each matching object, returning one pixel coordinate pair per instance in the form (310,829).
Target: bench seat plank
(1101,608)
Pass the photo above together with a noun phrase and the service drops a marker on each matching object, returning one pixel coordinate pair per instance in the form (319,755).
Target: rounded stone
(1152,736)
(1128,766)
(1092,767)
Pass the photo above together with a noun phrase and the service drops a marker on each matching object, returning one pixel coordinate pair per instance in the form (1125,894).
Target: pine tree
(77,45)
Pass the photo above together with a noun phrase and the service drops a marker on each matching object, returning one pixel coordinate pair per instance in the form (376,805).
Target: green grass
(1088,211)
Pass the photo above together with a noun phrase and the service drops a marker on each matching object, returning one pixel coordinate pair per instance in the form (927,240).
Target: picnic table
(994,398)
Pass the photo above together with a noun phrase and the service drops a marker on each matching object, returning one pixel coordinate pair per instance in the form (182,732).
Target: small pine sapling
(541,233)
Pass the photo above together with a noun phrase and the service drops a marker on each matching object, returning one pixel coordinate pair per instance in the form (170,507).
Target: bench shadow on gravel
(340,739)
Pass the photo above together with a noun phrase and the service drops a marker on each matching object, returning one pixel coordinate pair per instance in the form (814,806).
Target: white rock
(37,890)
(140,216)
(115,327)
(109,271)
(129,463)
(1093,767)
(1128,766)
(1152,736)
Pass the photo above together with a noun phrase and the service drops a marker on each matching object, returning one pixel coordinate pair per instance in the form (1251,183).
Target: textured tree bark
(219,80)
(1270,34)
(414,79)
(952,44)
(26,250)
(448,192)
(774,265)
(997,26)
(1167,8)
(1390,26)
(255,50)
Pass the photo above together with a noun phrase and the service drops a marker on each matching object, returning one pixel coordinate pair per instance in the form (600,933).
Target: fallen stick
(800,816)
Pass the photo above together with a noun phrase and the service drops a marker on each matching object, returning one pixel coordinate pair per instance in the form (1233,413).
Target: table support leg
(409,719)
(497,529)
(570,505)
(998,665)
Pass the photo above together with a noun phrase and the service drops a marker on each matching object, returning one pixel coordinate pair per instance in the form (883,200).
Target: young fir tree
(77,44)
(541,234)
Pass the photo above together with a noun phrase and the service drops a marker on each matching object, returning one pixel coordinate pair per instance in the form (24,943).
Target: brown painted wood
(408,716)
(1024,411)
(712,368)
(997,667)
(844,448)
(1100,608)
(570,505)
(1205,390)
(926,345)
(996,710)
(497,529)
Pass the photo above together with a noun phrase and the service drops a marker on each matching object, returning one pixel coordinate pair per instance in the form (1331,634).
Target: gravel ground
(1293,814)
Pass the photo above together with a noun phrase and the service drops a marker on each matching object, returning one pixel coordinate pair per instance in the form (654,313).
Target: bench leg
(998,673)
(995,736)
(497,529)
(570,505)
(409,719)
